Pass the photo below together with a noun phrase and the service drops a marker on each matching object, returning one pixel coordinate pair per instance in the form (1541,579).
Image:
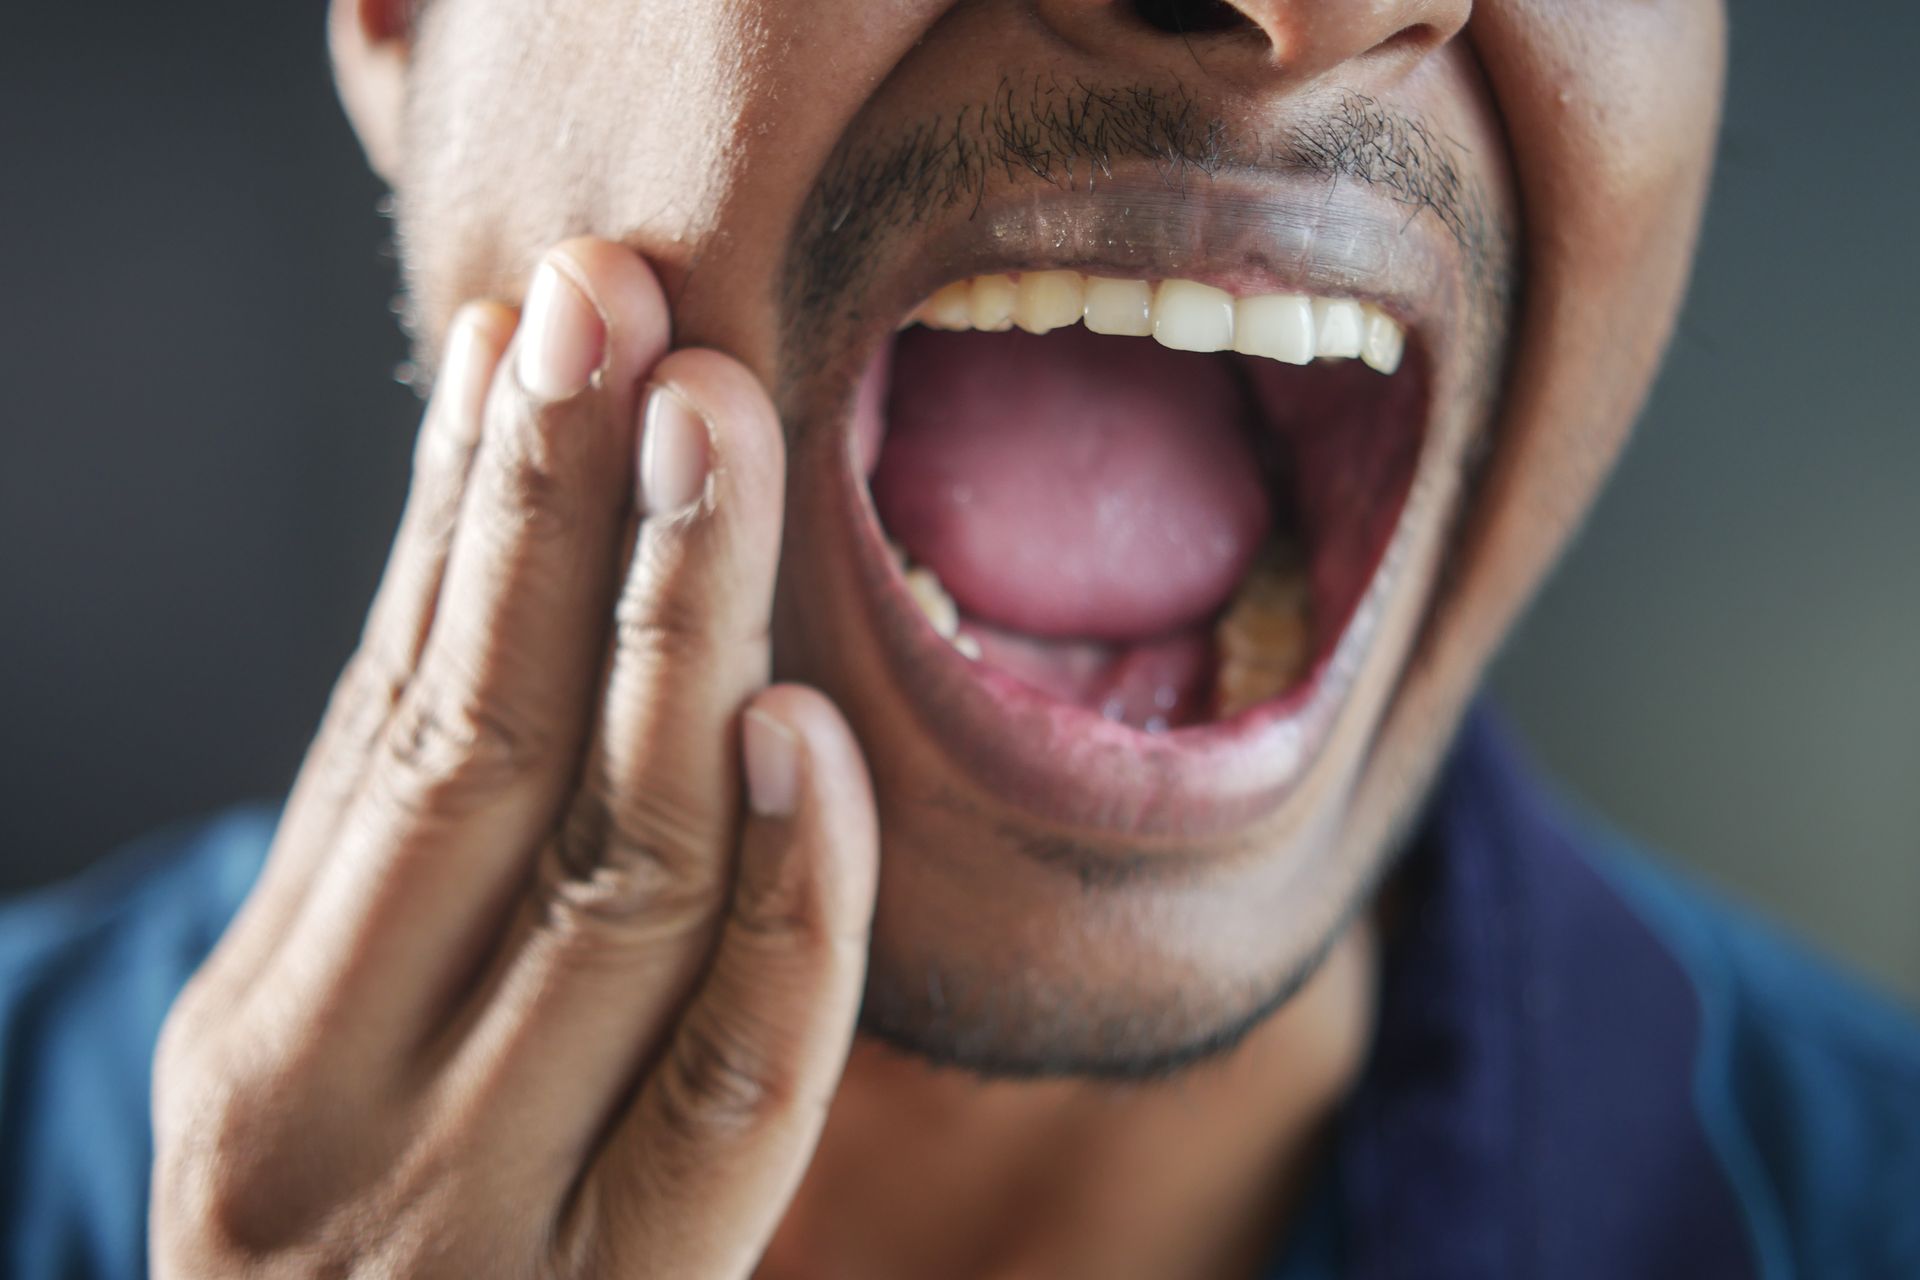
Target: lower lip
(1067,766)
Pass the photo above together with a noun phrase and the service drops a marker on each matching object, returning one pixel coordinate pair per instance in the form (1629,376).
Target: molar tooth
(1263,637)
(1190,316)
(1336,324)
(1382,341)
(1122,307)
(1048,300)
(992,302)
(1278,326)
(934,601)
(949,308)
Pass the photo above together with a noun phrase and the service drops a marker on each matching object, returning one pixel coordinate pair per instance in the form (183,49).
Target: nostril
(1191,17)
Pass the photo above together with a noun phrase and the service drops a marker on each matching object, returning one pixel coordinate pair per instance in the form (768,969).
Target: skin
(556,963)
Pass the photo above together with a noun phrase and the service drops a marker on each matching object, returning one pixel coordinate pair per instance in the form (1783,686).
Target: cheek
(688,130)
(527,124)
(1630,96)
(1610,111)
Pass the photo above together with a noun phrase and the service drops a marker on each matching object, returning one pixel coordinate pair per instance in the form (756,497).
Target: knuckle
(444,753)
(364,697)
(658,618)
(267,1163)
(719,1079)
(217,1138)
(670,610)
(616,884)
(531,483)
(255,1163)
(780,909)
(358,711)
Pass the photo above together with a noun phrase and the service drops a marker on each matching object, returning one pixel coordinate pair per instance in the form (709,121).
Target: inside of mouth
(1165,537)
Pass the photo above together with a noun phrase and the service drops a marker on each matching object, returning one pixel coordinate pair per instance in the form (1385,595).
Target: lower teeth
(938,607)
(934,602)
(1262,639)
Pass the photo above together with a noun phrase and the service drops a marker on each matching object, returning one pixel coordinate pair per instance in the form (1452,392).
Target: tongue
(1073,485)
(1156,685)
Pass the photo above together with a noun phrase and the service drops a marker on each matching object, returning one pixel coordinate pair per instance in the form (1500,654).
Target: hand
(525,988)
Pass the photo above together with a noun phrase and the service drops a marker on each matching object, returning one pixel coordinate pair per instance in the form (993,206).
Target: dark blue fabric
(1529,1108)
(1808,1084)
(87,972)
(1584,1067)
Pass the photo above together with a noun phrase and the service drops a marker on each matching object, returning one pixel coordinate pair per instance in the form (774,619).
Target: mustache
(1073,135)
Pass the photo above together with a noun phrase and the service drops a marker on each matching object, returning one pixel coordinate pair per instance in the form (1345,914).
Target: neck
(934,1173)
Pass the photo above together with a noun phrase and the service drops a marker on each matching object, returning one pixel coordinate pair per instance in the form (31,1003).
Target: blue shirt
(1584,1068)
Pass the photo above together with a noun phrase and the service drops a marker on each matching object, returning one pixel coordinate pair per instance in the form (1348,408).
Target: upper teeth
(1183,314)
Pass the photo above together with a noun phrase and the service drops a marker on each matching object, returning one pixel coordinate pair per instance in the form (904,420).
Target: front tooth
(968,646)
(1336,323)
(1048,300)
(1190,316)
(934,601)
(949,308)
(1182,314)
(1278,326)
(1382,341)
(992,302)
(1123,307)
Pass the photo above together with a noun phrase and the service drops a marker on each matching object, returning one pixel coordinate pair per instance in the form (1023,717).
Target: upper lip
(1245,231)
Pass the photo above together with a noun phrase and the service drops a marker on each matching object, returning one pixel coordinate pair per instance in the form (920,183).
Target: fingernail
(461,388)
(563,339)
(772,757)
(674,457)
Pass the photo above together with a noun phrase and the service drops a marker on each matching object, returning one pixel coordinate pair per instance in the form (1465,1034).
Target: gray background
(204,453)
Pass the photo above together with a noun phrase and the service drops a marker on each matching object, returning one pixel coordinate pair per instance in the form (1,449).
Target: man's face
(1227,608)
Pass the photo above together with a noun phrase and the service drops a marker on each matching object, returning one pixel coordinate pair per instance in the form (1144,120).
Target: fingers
(650,834)
(482,744)
(690,640)
(694,1178)
(396,627)
(395,631)
(634,887)
(587,517)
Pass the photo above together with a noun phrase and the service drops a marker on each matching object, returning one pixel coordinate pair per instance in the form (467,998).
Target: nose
(1299,41)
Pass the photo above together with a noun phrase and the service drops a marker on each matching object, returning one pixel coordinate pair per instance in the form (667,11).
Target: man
(913,723)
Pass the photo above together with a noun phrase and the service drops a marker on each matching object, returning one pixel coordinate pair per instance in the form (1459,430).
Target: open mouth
(1151,501)
(1138,492)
